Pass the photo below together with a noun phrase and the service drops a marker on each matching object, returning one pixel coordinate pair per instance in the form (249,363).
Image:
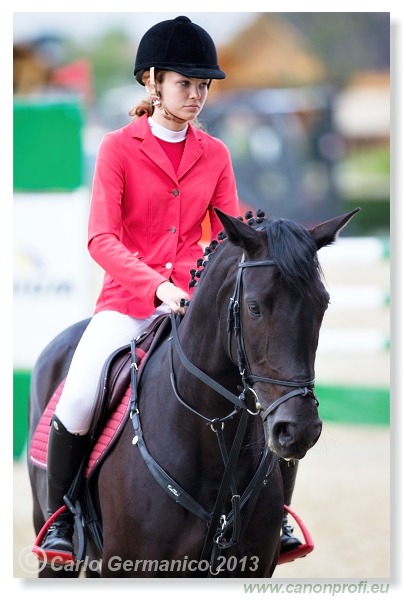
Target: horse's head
(276,313)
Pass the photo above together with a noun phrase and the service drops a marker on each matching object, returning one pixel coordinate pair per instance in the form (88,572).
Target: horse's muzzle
(292,440)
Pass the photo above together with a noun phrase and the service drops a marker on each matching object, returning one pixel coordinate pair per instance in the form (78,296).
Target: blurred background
(305,112)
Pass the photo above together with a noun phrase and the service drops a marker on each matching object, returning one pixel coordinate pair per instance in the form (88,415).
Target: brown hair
(145,106)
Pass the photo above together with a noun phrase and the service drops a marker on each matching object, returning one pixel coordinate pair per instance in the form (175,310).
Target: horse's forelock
(294,250)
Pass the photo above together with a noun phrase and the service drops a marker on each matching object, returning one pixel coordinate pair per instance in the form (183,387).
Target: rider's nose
(195,92)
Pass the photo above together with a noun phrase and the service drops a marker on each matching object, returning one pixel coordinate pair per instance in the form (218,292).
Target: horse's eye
(254,309)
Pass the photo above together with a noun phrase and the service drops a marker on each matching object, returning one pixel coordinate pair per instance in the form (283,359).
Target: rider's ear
(239,233)
(327,232)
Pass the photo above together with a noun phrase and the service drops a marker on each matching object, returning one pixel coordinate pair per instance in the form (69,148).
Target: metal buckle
(223,523)
(214,422)
(257,403)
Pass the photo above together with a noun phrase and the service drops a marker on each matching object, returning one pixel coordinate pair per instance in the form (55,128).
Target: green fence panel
(48,152)
(357,405)
(21,380)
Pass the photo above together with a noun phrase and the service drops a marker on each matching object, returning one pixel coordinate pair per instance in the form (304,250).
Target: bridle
(234,323)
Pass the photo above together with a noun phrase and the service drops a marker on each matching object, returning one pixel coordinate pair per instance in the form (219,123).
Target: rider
(154,182)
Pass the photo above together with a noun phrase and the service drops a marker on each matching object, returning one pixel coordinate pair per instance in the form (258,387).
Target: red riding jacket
(145,221)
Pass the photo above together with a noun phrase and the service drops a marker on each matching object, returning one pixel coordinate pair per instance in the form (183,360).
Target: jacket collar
(140,129)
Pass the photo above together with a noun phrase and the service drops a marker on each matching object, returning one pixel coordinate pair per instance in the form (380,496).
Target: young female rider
(154,182)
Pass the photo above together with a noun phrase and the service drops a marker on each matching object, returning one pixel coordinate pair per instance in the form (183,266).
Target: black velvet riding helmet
(178,45)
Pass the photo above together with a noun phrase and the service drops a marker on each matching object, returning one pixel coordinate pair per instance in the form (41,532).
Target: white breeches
(106,332)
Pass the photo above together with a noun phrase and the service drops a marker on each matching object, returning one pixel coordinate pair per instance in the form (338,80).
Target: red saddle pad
(39,443)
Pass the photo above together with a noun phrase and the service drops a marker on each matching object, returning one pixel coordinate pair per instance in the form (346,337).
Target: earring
(155,101)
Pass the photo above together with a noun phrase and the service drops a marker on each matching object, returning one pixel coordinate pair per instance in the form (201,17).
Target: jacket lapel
(150,146)
(153,150)
(192,152)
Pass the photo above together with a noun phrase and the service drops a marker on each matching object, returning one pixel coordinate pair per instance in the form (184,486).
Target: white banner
(53,272)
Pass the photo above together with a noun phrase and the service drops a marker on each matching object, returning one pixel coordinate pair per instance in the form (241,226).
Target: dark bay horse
(229,391)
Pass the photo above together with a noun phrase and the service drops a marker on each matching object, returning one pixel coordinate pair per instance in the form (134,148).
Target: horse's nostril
(284,433)
(289,438)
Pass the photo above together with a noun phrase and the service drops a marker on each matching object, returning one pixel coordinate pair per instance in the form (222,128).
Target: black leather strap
(169,485)
(236,400)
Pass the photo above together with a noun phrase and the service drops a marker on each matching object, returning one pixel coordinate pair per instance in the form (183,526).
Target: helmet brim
(191,71)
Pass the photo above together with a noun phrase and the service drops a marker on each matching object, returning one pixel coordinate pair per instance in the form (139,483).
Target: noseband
(234,323)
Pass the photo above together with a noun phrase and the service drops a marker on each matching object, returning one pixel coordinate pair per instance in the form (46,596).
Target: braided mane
(289,244)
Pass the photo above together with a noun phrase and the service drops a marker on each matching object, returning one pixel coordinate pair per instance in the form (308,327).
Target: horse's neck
(203,332)
(203,358)
(214,289)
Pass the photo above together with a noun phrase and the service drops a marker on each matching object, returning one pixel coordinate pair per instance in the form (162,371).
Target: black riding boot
(65,454)
(289,473)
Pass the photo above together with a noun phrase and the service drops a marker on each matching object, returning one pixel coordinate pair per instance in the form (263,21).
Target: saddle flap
(115,375)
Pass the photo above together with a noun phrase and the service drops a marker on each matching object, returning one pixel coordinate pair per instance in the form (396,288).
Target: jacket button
(168,265)
(172,229)
(175,192)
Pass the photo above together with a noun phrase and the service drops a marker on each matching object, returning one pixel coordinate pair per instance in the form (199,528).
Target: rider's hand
(171,295)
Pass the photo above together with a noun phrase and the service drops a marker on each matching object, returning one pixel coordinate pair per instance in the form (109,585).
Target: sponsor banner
(53,272)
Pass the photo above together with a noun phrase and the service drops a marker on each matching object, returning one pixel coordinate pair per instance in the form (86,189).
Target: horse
(227,391)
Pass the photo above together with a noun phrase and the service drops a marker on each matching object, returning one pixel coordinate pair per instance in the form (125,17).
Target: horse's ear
(239,233)
(327,232)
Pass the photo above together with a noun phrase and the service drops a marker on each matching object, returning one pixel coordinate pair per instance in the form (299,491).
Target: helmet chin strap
(156,101)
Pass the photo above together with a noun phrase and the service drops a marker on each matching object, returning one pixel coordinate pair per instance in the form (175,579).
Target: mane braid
(294,250)
(290,245)
(209,254)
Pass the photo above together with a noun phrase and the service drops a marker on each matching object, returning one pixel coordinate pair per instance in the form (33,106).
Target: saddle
(114,391)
